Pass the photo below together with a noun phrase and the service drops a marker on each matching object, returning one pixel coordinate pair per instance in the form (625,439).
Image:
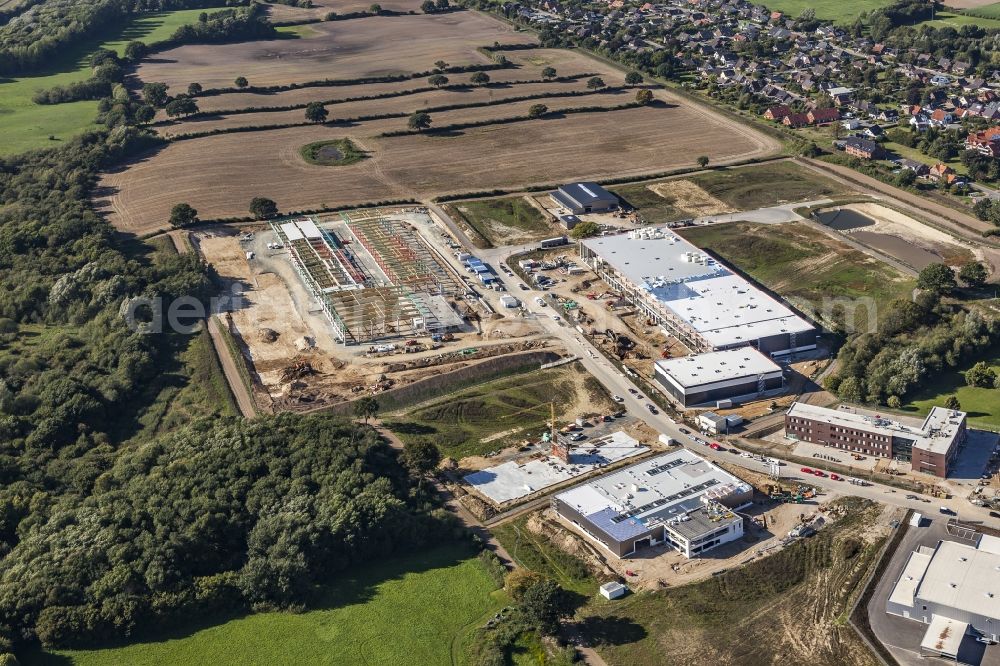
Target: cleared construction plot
(804,265)
(509,220)
(726,191)
(515,479)
(375,46)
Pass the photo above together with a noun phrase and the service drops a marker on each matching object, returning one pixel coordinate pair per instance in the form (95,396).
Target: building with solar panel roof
(678,499)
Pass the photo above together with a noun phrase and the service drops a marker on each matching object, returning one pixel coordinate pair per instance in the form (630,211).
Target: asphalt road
(618,383)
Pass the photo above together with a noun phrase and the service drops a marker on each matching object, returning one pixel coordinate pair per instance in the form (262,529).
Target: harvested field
(407,105)
(219,175)
(281,13)
(375,46)
(499,87)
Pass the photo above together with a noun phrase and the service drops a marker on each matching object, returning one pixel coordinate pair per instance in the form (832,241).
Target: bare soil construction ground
(917,239)
(374,46)
(279,323)
(690,198)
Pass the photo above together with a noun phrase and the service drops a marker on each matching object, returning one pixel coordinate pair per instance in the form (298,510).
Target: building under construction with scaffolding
(678,499)
(374,277)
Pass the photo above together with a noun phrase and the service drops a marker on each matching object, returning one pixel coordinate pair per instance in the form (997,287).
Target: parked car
(714,446)
(946,511)
(806,470)
(685,431)
(820,473)
(651,407)
(835,477)
(618,398)
(632,391)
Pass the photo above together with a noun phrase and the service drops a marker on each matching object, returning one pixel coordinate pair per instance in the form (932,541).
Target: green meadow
(25,125)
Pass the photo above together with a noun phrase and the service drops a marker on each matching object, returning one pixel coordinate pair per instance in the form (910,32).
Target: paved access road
(618,383)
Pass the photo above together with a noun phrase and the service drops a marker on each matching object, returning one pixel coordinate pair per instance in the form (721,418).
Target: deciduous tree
(262,208)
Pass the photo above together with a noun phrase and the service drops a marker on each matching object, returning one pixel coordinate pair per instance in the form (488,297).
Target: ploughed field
(221,173)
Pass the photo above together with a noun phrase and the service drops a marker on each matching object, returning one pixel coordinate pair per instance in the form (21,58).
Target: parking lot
(901,636)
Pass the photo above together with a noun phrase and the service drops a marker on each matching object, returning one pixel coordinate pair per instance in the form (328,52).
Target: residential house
(916,167)
(823,116)
(778,112)
(795,120)
(940,172)
(863,148)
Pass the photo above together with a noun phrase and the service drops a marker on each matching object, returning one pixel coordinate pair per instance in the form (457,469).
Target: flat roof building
(580,198)
(931,445)
(693,296)
(678,499)
(731,374)
(952,587)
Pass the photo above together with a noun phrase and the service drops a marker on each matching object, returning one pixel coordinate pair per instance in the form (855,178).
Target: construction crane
(552,416)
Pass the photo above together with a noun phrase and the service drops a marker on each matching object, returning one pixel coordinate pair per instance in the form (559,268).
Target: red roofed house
(942,171)
(795,120)
(822,116)
(986,142)
(777,113)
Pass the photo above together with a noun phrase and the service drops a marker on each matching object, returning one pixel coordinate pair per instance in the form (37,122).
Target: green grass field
(769,184)
(537,553)
(25,125)
(981,404)
(493,411)
(989,11)
(406,610)
(744,188)
(959,18)
(802,264)
(831,10)
(505,221)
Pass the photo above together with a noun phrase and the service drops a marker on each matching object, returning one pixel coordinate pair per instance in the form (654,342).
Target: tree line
(37,35)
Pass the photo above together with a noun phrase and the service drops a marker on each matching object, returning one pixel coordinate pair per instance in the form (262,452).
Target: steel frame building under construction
(374,277)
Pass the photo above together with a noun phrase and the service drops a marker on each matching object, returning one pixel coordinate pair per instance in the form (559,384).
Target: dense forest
(106,528)
(916,340)
(221,515)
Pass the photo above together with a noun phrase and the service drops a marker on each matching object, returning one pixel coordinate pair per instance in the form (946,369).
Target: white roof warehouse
(677,498)
(693,296)
(730,374)
(954,584)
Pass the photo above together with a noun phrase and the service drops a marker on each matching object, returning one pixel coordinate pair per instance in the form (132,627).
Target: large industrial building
(693,296)
(732,374)
(678,498)
(931,445)
(581,198)
(955,589)
(373,275)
